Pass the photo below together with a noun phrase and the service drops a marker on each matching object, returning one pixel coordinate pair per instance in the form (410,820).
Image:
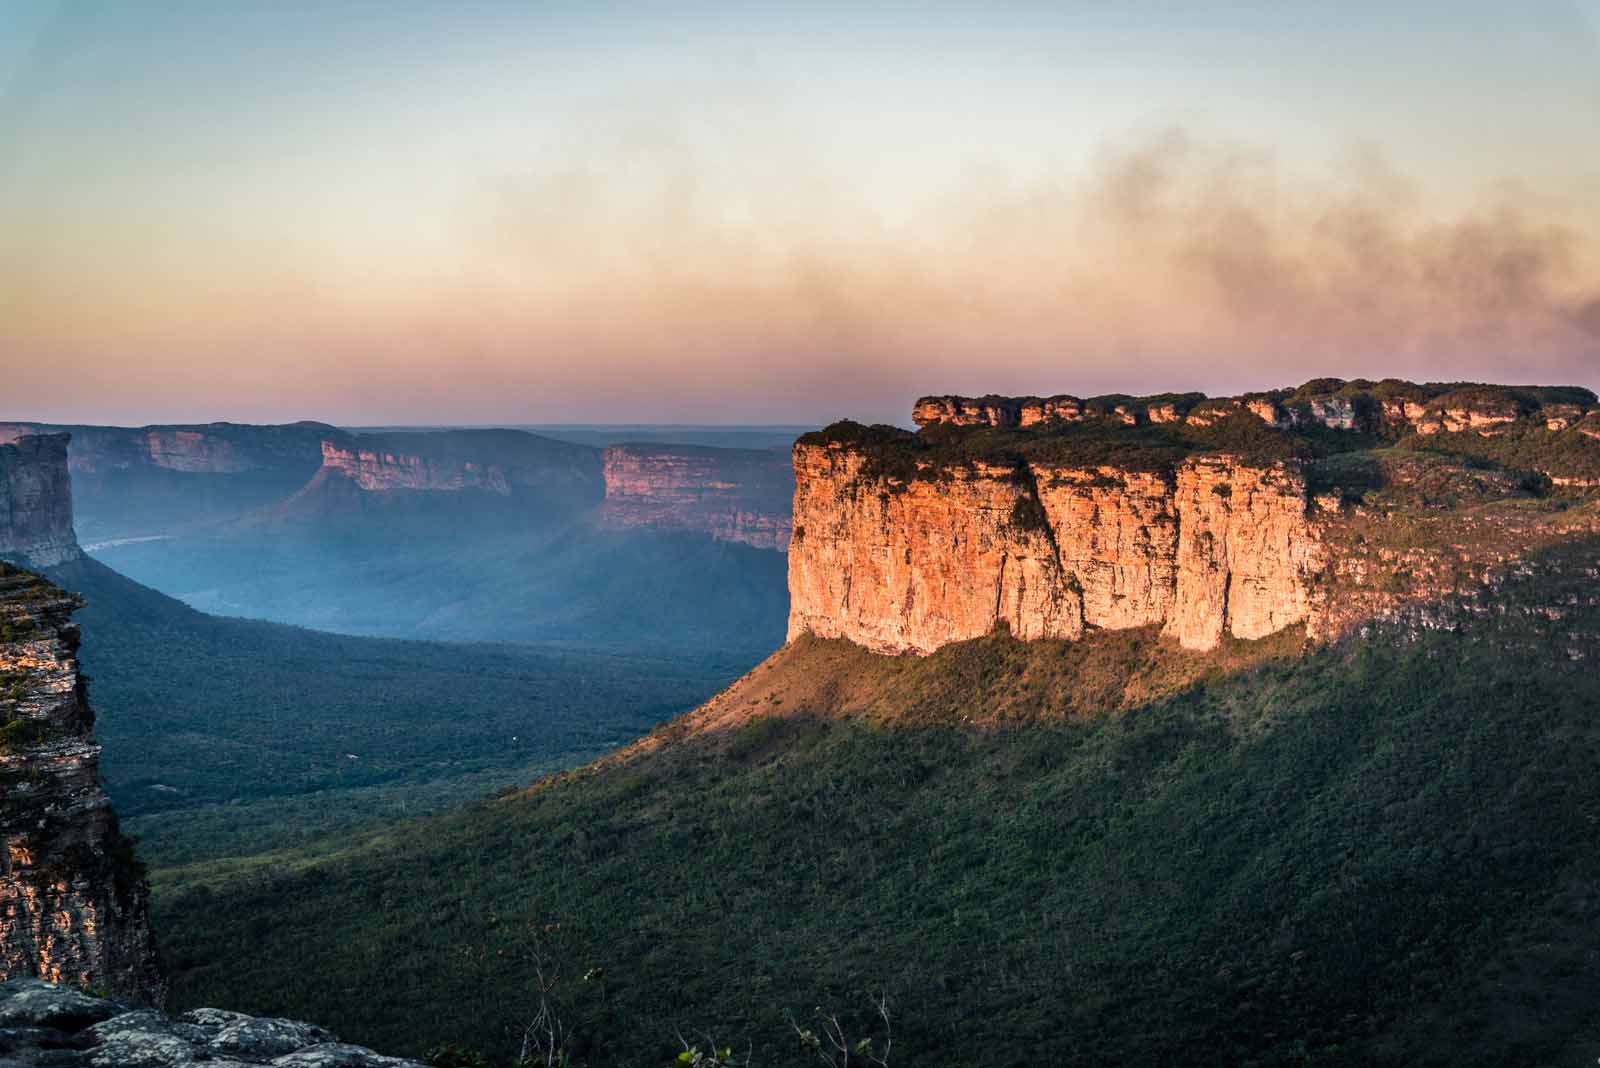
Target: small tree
(833,1046)
(713,1056)
(547,1039)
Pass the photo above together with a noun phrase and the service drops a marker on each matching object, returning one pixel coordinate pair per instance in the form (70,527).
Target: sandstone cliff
(36,501)
(377,468)
(743,495)
(202,448)
(1215,547)
(72,900)
(1233,517)
(133,482)
(501,462)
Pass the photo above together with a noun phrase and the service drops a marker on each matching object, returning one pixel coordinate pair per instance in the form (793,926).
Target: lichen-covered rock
(52,1024)
(338,1055)
(267,1037)
(33,1003)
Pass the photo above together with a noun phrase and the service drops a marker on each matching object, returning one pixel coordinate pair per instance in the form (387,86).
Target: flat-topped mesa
(377,468)
(36,501)
(1213,547)
(743,495)
(1209,518)
(199,448)
(502,462)
(72,900)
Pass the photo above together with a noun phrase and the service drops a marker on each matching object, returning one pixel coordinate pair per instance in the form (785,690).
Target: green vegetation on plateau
(1381,852)
(1103,438)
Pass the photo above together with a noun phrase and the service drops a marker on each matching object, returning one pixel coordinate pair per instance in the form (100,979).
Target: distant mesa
(36,501)
(744,495)
(138,483)
(495,461)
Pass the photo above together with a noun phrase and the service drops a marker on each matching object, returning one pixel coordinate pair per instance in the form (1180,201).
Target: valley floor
(1374,853)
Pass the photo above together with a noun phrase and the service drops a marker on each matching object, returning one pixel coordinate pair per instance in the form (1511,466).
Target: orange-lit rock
(898,566)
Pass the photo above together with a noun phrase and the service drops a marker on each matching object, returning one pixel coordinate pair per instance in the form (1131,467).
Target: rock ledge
(60,1026)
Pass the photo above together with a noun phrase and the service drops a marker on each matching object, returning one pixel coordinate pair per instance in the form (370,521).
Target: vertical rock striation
(1247,551)
(502,462)
(1220,547)
(72,899)
(36,501)
(1050,516)
(379,468)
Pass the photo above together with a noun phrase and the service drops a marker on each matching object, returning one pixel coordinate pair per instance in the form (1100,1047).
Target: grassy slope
(1375,853)
(253,725)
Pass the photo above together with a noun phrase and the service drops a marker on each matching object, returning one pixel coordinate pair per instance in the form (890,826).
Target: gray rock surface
(54,1025)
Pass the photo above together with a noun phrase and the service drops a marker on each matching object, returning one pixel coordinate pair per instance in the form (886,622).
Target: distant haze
(755,213)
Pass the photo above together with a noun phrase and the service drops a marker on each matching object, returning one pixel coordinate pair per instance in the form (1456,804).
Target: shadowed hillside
(224,735)
(1378,852)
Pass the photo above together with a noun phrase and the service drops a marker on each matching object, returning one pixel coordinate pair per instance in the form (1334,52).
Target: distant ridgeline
(1324,506)
(157,480)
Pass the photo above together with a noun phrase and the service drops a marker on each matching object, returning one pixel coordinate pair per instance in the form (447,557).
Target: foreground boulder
(64,1027)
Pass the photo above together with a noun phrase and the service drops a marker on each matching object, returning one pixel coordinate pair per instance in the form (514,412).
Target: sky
(470,212)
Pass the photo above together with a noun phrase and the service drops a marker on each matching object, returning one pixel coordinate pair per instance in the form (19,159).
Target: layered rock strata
(502,462)
(742,495)
(1217,547)
(378,468)
(72,899)
(36,501)
(1209,518)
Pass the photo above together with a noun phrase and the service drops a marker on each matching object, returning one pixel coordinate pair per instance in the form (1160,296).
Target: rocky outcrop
(72,899)
(1216,547)
(36,501)
(1390,407)
(743,495)
(62,1026)
(1025,412)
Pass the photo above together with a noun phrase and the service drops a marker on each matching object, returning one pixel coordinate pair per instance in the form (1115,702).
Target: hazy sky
(745,212)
